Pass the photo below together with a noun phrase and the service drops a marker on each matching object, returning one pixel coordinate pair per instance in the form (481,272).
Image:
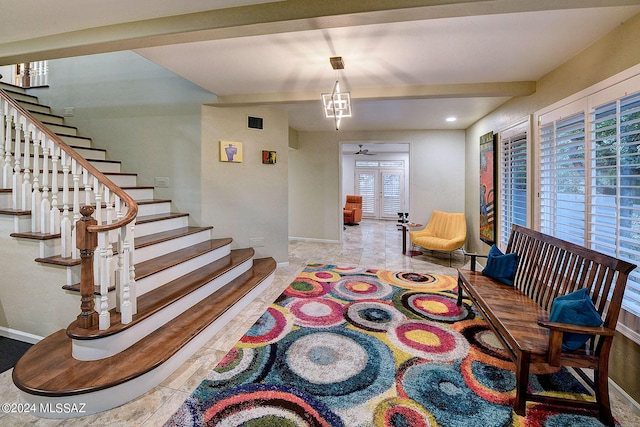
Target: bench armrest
(556,331)
(473,256)
(576,329)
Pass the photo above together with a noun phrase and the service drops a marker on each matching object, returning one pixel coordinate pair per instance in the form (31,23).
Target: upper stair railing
(32,74)
(34,161)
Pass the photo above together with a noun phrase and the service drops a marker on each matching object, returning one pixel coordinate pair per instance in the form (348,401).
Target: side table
(405,228)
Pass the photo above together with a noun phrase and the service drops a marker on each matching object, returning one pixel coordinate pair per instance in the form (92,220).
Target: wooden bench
(549,267)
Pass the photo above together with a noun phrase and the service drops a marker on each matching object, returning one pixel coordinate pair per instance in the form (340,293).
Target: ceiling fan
(364,151)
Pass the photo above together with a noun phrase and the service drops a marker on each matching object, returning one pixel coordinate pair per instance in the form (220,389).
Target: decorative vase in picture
(230,151)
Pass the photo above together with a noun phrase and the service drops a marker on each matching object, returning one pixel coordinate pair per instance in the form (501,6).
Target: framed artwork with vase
(231,151)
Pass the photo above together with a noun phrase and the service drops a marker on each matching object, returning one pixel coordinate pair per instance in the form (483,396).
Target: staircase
(158,296)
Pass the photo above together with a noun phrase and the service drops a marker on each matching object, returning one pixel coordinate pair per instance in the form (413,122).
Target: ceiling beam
(465,90)
(268,18)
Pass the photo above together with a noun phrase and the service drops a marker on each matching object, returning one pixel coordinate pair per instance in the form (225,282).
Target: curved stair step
(48,375)
(163,296)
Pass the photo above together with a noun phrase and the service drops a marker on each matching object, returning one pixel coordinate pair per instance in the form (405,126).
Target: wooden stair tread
(149,267)
(120,173)
(105,161)
(35,236)
(159,217)
(48,369)
(150,239)
(139,242)
(152,201)
(168,260)
(14,212)
(166,294)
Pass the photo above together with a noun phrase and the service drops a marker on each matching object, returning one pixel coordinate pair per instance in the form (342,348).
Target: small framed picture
(231,151)
(268,157)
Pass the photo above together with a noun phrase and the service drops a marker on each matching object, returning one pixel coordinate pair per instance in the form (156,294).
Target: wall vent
(255,122)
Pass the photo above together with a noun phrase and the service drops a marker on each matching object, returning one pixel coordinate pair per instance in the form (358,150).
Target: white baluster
(4,106)
(108,205)
(45,73)
(123,288)
(45,204)
(36,195)
(36,74)
(6,167)
(54,218)
(97,194)
(121,234)
(104,270)
(16,186)
(65,223)
(26,183)
(76,171)
(86,181)
(108,198)
(133,293)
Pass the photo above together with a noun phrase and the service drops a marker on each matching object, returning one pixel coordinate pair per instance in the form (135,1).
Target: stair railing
(32,74)
(35,189)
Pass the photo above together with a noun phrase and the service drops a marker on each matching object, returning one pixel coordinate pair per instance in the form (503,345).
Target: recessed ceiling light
(451,119)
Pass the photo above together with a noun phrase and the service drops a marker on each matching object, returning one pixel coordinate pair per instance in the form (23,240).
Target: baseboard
(310,239)
(19,335)
(618,391)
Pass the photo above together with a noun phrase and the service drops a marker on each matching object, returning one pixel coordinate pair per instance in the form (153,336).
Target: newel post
(86,242)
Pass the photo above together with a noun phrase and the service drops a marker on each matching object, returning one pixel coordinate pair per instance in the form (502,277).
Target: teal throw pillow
(575,308)
(500,266)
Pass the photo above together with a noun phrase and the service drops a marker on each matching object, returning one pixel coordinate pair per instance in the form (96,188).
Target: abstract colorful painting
(487,189)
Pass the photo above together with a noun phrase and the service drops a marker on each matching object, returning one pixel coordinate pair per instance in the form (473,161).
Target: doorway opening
(381,177)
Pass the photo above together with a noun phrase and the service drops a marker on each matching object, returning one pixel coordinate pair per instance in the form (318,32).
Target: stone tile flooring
(371,244)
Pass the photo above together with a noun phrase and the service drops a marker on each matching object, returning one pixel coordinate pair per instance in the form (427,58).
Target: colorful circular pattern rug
(360,347)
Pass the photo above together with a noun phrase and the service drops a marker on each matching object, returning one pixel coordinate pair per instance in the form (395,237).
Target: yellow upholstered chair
(445,232)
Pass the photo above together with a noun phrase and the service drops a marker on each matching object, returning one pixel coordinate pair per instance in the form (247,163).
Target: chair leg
(601,385)
(522,384)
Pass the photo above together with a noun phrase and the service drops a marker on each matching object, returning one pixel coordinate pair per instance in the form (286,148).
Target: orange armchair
(353,210)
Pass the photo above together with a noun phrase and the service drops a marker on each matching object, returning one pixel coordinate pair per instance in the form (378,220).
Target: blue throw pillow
(500,266)
(575,308)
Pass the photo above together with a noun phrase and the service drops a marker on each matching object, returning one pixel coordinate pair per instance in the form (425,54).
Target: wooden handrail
(90,233)
(132,206)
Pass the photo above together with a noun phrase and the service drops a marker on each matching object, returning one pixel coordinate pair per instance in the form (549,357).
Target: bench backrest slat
(550,267)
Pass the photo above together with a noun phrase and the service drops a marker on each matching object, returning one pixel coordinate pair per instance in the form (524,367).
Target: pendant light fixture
(336,104)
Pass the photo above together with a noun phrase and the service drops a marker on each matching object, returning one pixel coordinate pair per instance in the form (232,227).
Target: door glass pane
(366,188)
(391,194)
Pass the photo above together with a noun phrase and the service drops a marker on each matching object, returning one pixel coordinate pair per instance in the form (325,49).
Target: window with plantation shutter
(614,219)
(561,191)
(588,183)
(512,176)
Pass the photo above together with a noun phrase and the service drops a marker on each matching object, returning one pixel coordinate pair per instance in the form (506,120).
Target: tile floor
(371,244)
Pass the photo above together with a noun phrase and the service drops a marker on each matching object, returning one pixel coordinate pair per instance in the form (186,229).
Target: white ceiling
(403,72)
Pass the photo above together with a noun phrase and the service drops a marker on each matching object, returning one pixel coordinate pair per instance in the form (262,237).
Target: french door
(382,192)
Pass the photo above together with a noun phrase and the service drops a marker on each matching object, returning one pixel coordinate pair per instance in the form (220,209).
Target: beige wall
(144,115)
(315,203)
(614,53)
(246,200)
(31,299)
